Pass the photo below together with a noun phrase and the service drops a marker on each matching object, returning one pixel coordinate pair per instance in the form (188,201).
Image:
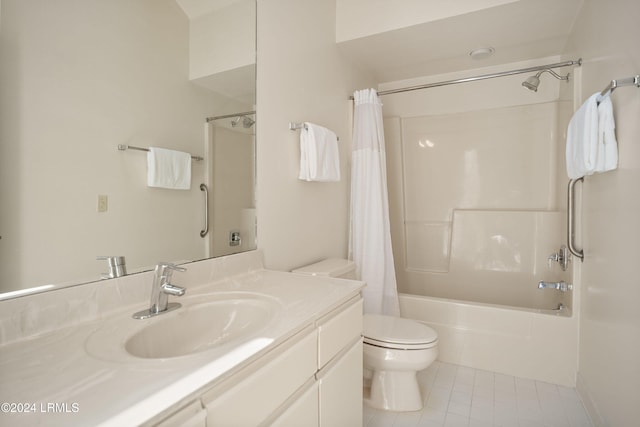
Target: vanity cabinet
(264,385)
(312,379)
(303,408)
(192,415)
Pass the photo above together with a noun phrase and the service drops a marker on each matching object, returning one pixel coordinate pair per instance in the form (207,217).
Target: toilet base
(395,391)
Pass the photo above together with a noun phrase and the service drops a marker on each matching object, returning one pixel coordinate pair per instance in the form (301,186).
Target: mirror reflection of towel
(168,169)
(319,156)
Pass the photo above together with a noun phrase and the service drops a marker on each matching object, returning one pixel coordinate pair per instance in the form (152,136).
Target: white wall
(606,35)
(77,79)
(301,77)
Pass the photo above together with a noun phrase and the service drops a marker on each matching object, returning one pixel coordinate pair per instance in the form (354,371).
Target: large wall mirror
(80,79)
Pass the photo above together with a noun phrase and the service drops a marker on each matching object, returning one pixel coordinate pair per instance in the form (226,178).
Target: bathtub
(530,343)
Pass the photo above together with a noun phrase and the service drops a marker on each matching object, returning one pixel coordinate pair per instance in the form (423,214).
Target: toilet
(395,349)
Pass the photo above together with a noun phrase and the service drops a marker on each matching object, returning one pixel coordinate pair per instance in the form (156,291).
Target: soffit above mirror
(222,46)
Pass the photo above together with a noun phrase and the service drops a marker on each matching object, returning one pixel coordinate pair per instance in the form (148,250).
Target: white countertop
(80,375)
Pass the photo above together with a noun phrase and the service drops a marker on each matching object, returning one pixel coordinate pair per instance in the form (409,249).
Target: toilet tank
(330,267)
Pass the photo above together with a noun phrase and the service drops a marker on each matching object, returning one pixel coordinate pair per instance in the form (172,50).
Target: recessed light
(481,52)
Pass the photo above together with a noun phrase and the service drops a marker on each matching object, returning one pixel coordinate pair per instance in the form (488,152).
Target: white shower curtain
(370,234)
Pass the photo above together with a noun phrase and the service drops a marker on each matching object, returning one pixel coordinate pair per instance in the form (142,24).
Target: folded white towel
(607,158)
(168,169)
(591,139)
(582,139)
(319,156)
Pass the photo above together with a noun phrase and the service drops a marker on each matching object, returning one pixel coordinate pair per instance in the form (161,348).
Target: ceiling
(522,30)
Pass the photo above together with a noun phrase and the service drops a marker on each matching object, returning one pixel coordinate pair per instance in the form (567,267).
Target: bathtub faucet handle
(562,257)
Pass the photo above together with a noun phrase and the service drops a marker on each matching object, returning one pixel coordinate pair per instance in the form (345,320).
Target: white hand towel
(168,169)
(607,145)
(582,139)
(319,156)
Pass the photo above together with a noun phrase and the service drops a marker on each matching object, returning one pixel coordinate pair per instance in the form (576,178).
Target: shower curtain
(370,234)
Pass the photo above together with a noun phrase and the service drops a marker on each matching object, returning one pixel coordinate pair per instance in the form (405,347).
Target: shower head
(533,82)
(247,122)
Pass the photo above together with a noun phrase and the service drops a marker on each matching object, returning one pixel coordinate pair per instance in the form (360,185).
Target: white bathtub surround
(476,214)
(460,396)
(370,233)
(535,344)
(57,361)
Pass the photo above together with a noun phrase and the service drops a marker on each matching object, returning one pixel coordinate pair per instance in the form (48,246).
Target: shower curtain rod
(226,116)
(481,77)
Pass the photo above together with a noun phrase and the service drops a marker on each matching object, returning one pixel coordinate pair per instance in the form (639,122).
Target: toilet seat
(397,333)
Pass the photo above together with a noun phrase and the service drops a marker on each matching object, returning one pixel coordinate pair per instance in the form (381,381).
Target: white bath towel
(591,139)
(319,157)
(168,169)
(582,139)
(607,158)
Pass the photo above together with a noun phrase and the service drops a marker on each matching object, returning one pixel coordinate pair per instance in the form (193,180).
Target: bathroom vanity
(248,347)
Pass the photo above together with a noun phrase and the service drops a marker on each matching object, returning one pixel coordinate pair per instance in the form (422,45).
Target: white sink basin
(208,325)
(199,327)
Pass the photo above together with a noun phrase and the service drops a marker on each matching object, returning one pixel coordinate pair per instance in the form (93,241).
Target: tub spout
(560,286)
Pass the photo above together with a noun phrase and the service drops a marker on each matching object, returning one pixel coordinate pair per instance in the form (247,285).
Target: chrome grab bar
(570,216)
(204,188)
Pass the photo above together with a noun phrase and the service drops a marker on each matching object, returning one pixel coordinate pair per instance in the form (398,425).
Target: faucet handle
(562,257)
(170,266)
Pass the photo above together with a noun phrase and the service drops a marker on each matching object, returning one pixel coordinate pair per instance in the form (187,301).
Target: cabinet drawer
(255,397)
(336,331)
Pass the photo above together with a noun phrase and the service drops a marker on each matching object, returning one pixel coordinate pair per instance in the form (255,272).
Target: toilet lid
(395,332)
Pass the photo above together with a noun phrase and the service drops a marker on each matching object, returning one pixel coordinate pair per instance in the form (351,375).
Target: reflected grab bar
(204,188)
(570,216)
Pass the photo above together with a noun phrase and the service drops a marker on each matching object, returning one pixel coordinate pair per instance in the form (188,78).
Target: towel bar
(123,147)
(298,126)
(635,80)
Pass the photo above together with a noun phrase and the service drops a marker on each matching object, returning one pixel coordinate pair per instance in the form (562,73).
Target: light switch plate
(103,203)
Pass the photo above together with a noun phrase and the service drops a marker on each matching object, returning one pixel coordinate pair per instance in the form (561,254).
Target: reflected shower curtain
(370,234)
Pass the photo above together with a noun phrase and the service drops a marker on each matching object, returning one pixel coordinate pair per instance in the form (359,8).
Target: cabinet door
(253,399)
(303,412)
(341,389)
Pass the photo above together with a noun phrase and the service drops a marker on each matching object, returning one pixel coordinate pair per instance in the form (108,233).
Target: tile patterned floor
(460,396)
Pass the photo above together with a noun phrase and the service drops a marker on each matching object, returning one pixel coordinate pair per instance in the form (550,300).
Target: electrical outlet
(103,203)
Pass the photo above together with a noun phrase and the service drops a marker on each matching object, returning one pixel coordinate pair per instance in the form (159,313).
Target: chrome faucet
(117,266)
(562,257)
(161,288)
(560,286)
